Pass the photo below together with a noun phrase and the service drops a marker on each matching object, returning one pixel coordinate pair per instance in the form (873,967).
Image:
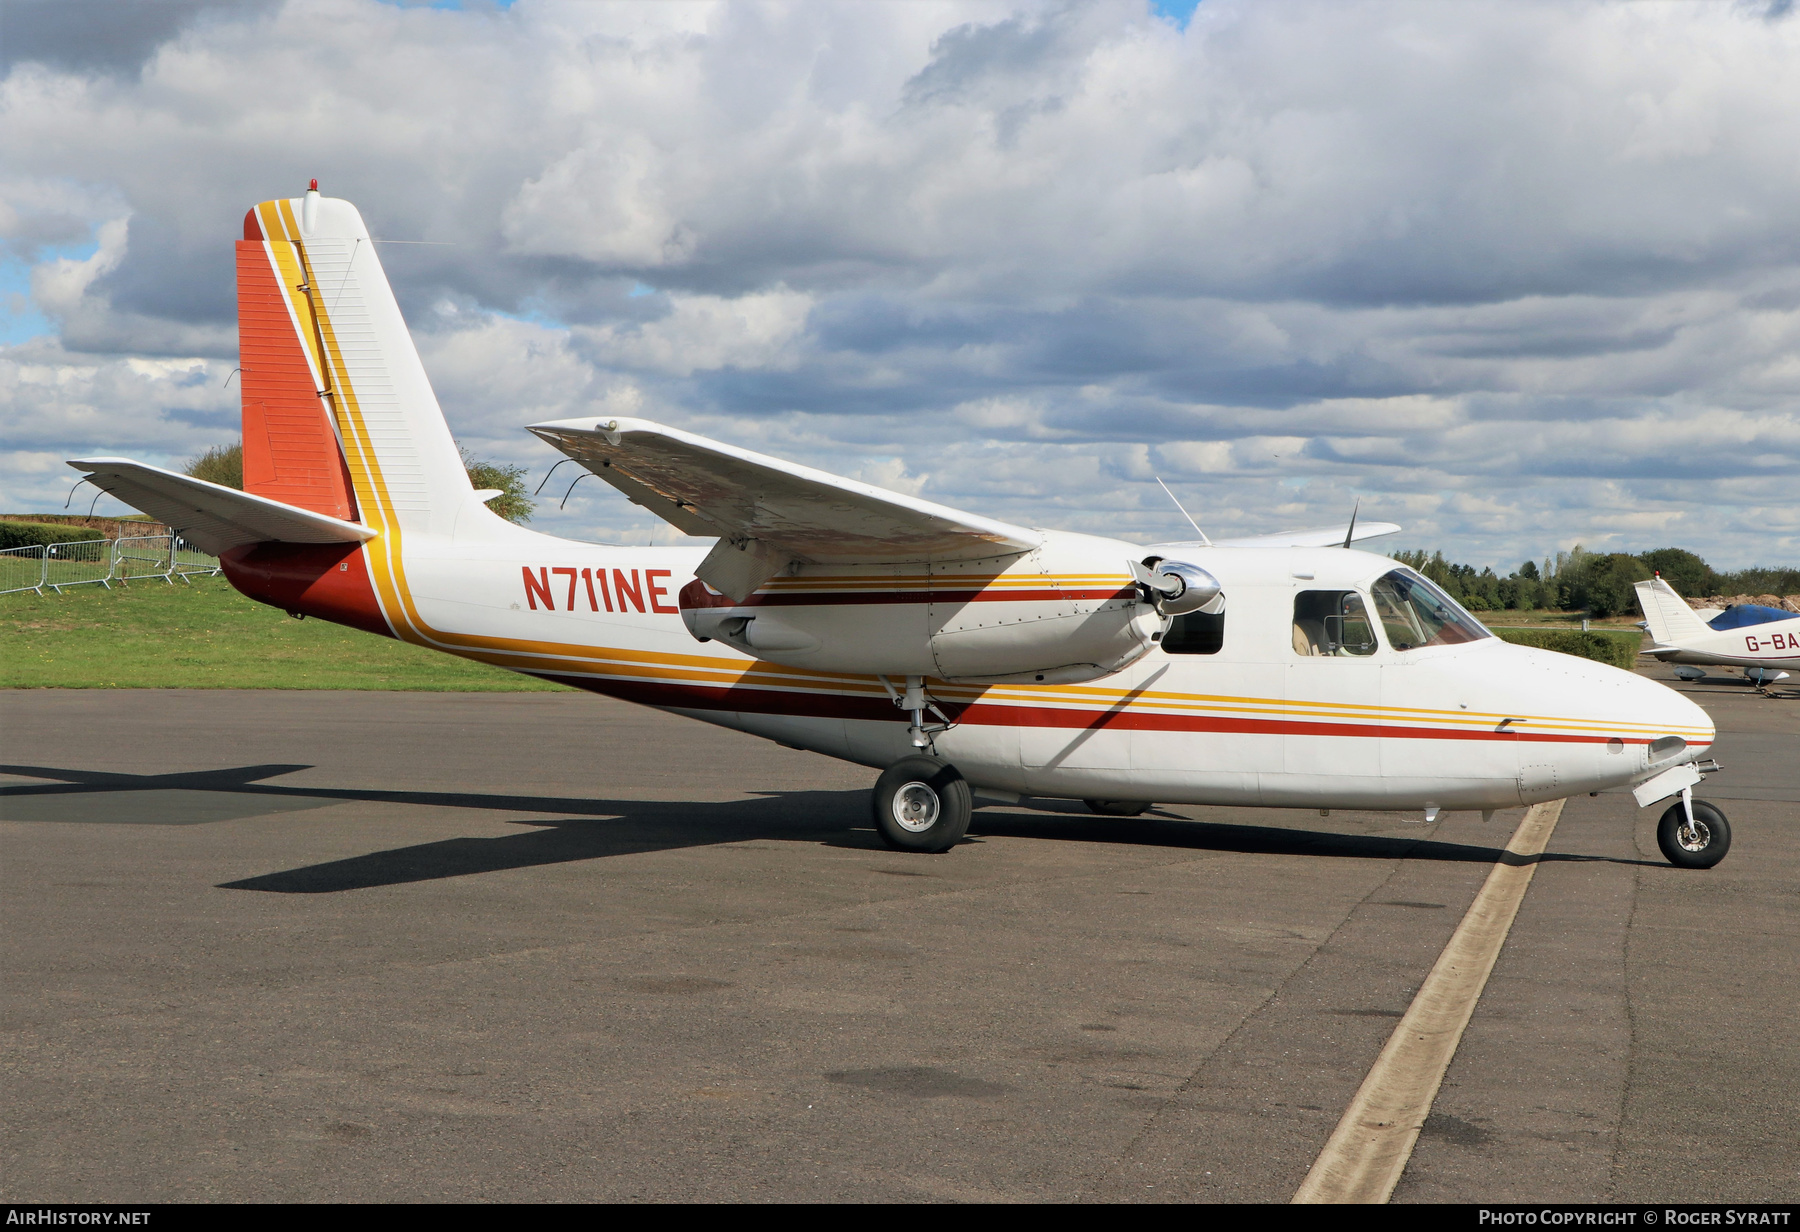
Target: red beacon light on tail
(312,185)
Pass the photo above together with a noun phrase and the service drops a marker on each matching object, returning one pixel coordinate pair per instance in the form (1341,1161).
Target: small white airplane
(1761,640)
(961,656)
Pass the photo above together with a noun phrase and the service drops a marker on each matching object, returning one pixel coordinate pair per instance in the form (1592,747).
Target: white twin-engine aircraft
(960,655)
(1761,640)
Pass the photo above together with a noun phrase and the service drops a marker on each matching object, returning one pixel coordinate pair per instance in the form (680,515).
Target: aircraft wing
(769,513)
(212,517)
(1322,537)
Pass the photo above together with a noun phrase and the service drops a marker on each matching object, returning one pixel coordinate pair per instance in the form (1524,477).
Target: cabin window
(1415,613)
(1332,624)
(1195,633)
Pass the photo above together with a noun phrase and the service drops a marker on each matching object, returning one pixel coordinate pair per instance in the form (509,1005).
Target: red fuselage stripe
(840,706)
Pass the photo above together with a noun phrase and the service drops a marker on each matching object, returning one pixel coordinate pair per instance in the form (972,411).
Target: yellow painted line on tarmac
(1368,1151)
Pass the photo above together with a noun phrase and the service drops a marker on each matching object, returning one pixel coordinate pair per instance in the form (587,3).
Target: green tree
(1603,584)
(1570,571)
(222,464)
(1486,587)
(1760,581)
(1683,570)
(514,503)
(1451,578)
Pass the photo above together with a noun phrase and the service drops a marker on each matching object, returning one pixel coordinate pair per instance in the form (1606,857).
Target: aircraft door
(1333,689)
(1441,737)
(1215,685)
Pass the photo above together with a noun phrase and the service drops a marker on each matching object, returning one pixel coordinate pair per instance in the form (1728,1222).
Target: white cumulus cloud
(1515,274)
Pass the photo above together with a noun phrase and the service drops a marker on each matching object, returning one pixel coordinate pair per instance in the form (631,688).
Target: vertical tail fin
(339,416)
(1670,619)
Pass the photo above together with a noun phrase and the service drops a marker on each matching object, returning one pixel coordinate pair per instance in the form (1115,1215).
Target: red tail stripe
(291,453)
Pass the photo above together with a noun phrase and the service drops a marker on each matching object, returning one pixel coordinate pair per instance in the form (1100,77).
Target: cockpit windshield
(1415,613)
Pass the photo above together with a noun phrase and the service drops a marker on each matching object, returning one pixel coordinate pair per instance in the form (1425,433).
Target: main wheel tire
(922,804)
(1117,808)
(1701,847)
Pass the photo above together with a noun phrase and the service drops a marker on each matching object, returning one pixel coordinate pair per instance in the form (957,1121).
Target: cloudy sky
(1514,275)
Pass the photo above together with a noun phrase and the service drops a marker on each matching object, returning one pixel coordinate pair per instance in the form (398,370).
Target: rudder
(291,450)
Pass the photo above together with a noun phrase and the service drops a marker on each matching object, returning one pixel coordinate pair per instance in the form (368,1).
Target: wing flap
(788,512)
(212,517)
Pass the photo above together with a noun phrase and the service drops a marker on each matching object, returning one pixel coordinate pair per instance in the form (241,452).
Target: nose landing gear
(1697,842)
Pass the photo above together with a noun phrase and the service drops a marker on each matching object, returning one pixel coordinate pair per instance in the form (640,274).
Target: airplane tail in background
(1670,618)
(339,417)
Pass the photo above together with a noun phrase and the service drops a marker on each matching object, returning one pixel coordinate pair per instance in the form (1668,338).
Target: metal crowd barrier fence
(102,562)
(22,569)
(186,560)
(143,556)
(82,563)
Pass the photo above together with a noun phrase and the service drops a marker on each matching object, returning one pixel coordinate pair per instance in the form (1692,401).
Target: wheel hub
(1694,835)
(916,807)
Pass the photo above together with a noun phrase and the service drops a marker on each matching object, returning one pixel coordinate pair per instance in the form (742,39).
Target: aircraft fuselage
(1477,725)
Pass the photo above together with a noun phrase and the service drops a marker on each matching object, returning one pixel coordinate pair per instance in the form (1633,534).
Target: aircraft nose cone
(1604,696)
(1623,726)
(1682,716)
(1660,715)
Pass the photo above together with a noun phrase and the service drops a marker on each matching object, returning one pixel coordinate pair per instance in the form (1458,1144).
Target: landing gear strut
(916,704)
(1693,833)
(922,804)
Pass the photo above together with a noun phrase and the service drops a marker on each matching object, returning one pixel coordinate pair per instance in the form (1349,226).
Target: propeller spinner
(1177,588)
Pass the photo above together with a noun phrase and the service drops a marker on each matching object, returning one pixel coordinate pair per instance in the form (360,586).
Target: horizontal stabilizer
(769,513)
(212,517)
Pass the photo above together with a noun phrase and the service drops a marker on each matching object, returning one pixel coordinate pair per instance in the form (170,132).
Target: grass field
(1553,619)
(150,635)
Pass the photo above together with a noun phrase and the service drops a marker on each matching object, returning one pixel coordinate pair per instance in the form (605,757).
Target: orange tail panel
(291,452)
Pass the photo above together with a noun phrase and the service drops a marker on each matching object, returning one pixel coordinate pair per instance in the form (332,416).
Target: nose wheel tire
(1701,845)
(1117,808)
(922,804)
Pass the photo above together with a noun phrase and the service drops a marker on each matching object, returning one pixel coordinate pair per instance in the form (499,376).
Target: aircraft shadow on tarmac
(591,829)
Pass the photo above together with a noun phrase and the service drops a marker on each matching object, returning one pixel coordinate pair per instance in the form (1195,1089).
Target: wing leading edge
(1322,537)
(768,513)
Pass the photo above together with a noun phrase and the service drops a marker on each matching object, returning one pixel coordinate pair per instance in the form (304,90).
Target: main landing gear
(922,803)
(1697,843)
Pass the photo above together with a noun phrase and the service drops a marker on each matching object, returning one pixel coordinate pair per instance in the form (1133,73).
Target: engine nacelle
(1069,611)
